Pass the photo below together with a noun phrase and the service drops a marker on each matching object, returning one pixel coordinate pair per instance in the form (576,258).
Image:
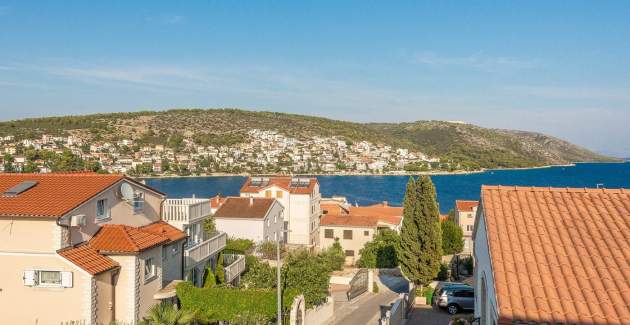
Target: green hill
(467,144)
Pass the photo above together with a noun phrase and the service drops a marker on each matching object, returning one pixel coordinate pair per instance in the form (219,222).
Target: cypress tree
(420,250)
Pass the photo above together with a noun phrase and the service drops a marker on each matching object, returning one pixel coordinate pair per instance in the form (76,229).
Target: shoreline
(440,173)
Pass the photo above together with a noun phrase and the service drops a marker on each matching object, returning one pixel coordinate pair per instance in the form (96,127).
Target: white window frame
(65,279)
(150,276)
(106,211)
(138,202)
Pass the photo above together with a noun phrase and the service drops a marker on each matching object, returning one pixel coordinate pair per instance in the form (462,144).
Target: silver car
(455,297)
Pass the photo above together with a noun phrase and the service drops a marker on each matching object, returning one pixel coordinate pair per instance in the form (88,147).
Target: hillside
(466,144)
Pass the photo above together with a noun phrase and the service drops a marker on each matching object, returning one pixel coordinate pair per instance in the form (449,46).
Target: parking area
(427,315)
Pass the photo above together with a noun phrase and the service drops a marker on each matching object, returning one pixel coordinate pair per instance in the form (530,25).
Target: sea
(371,189)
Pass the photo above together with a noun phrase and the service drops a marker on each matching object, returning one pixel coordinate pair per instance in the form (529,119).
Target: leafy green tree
(8,163)
(209,279)
(168,314)
(258,275)
(209,225)
(420,238)
(335,256)
(452,238)
(307,273)
(381,252)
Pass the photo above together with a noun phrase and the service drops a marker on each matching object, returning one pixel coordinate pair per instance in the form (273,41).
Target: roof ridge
(128,236)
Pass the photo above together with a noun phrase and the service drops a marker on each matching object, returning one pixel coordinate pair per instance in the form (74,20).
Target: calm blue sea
(372,189)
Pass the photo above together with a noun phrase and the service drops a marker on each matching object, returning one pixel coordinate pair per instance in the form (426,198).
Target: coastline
(441,173)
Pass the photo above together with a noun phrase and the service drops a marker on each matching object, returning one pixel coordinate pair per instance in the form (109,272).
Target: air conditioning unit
(77,220)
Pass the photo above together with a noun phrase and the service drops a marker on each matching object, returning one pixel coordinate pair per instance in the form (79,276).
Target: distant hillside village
(262,152)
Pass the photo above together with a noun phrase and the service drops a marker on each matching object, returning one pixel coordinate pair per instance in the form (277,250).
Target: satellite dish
(126,191)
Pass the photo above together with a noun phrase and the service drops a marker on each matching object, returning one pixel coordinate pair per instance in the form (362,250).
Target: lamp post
(278,283)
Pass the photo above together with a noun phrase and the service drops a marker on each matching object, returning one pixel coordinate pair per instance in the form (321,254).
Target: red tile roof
(88,259)
(163,228)
(384,213)
(125,239)
(54,195)
(216,201)
(244,207)
(332,208)
(283,182)
(559,255)
(466,206)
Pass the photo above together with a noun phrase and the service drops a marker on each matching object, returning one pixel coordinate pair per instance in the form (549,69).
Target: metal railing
(185,210)
(235,266)
(203,250)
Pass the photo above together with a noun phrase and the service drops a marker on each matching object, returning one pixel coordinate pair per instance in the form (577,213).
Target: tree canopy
(452,238)
(381,252)
(421,234)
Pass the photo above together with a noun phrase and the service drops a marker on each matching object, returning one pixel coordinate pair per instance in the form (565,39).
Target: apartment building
(465,215)
(201,250)
(257,219)
(83,247)
(300,198)
(355,226)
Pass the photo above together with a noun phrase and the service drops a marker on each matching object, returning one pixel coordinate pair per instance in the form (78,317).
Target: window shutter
(66,279)
(30,278)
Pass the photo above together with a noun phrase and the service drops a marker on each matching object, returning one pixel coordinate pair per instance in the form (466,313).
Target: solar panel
(19,188)
(295,182)
(256,181)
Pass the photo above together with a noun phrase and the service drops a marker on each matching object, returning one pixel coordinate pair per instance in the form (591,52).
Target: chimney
(385,203)
(251,201)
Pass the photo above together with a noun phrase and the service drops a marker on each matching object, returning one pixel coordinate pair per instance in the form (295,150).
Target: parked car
(454,297)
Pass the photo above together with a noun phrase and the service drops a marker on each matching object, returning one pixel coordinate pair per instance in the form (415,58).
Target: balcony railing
(185,211)
(203,250)
(235,266)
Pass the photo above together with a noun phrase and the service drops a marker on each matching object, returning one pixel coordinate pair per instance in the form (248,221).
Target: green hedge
(230,304)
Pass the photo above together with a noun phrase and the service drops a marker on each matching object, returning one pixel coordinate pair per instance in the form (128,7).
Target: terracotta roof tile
(244,207)
(54,195)
(348,220)
(88,259)
(559,255)
(279,181)
(125,239)
(465,206)
(163,228)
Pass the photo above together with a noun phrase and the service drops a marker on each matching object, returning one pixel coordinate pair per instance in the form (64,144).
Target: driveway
(427,315)
(366,308)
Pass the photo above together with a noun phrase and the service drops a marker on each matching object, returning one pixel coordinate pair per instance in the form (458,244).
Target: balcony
(199,252)
(185,211)
(235,266)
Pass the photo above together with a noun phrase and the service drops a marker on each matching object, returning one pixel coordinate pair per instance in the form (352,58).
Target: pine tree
(420,248)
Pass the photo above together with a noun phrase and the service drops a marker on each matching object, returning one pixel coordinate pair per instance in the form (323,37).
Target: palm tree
(167,314)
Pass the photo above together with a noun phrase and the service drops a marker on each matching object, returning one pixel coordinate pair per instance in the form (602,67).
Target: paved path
(366,308)
(427,315)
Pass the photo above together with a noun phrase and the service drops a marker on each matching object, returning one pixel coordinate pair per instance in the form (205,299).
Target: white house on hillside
(300,198)
(258,219)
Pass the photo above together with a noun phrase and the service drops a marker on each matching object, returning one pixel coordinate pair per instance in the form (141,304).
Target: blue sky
(559,67)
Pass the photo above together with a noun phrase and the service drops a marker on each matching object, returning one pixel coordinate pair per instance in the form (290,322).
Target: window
(347,234)
(469,227)
(350,253)
(267,194)
(329,233)
(279,194)
(275,218)
(366,233)
(138,202)
(102,209)
(47,278)
(52,278)
(149,269)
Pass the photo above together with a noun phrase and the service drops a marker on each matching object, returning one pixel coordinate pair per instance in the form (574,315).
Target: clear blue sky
(560,67)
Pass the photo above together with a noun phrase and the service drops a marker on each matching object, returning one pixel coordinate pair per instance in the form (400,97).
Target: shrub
(219,271)
(443,273)
(209,279)
(209,225)
(452,238)
(308,274)
(381,252)
(230,304)
(268,250)
(375,287)
(258,274)
(468,264)
(239,246)
(335,256)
